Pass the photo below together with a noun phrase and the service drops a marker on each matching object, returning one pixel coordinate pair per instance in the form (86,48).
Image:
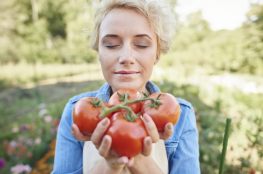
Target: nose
(127,55)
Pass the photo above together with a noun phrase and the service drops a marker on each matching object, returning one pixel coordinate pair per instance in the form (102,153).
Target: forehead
(123,21)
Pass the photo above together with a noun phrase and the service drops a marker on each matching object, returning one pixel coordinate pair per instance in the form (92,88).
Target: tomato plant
(86,114)
(127,135)
(163,109)
(124,95)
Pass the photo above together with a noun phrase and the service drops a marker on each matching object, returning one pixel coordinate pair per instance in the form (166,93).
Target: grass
(25,75)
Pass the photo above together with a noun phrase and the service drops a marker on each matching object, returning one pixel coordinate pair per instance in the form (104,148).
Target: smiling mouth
(126,72)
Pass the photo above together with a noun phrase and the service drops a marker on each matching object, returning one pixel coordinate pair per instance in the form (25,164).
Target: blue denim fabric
(182,148)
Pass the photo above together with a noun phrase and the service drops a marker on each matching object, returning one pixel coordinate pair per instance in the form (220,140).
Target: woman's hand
(97,135)
(112,163)
(77,134)
(168,131)
(103,143)
(153,132)
(142,161)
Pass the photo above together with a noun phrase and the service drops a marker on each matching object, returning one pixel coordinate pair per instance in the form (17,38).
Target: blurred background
(216,62)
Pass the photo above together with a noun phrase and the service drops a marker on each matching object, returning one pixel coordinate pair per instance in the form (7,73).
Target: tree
(45,31)
(253,30)
(193,30)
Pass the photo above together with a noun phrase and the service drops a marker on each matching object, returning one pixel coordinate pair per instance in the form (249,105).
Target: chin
(128,85)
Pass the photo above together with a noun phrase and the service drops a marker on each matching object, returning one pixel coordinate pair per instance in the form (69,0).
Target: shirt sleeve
(183,147)
(68,153)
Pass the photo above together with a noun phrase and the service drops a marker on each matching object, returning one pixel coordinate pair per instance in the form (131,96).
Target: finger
(118,162)
(122,160)
(168,131)
(130,162)
(105,146)
(147,148)
(77,134)
(99,131)
(151,128)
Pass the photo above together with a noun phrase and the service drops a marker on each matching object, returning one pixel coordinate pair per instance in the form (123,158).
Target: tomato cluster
(125,109)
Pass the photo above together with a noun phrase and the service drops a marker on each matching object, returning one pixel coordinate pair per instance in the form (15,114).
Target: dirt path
(245,83)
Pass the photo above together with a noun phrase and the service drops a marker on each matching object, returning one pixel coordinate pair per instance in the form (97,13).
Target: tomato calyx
(155,103)
(145,95)
(95,102)
(123,97)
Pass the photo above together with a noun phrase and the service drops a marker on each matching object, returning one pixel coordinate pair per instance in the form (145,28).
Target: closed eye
(142,46)
(112,46)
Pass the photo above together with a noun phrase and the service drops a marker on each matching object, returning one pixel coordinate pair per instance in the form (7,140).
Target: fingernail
(125,160)
(170,127)
(105,121)
(146,118)
(148,141)
(131,161)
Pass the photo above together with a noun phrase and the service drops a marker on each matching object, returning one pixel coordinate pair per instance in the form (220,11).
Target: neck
(144,90)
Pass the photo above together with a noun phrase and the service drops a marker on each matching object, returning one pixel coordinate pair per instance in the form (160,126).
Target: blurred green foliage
(57,32)
(45,31)
(238,50)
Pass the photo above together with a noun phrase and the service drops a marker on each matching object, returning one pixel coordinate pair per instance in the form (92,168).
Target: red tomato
(86,114)
(131,94)
(127,137)
(168,109)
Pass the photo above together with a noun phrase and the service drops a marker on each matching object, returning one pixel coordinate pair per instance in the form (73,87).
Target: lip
(126,72)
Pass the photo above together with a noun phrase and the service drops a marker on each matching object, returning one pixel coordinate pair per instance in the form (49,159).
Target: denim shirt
(182,147)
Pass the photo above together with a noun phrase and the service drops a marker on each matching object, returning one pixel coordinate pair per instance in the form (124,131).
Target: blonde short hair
(156,12)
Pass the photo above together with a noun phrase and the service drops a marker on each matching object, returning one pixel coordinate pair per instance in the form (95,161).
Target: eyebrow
(144,35)
(137,36)
(110,35)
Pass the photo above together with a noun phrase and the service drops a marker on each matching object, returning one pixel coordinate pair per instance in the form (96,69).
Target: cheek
(107,58)
(102,55)
(150,61)
(104,60)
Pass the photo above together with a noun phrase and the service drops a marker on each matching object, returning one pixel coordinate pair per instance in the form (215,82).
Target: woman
(130,36)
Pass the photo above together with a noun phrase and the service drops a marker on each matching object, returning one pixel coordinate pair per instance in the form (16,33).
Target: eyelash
(142,46)
(115,46)
(111,46)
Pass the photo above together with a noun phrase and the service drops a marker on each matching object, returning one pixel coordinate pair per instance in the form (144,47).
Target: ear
(157,56)
(156,60)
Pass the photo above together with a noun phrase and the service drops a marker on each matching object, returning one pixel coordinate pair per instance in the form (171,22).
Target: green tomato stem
(106,111)
(130,116)
(138,100)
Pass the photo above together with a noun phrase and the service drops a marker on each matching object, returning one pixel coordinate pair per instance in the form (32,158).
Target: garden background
(45,59)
